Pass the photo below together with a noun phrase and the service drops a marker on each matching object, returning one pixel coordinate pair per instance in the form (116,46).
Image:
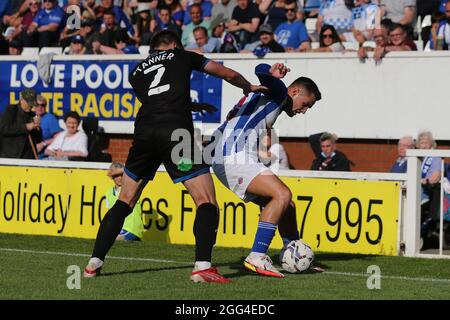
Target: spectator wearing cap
(228,43)
(292,34)
(329,40)
(223,10)
(44,31)
(133,228)
(265,44)
(15,47)
(121,42)
(145,24)
(19,128)
(48,123)
(187,37)
(204,43)
(87,31)
(244,22)
(165,21)
(76,46)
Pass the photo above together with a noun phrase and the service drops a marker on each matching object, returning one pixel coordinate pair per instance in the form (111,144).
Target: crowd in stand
(208,26)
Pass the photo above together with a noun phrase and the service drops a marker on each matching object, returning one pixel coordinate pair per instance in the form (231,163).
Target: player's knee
(128,198)
(284,195)
(204,198)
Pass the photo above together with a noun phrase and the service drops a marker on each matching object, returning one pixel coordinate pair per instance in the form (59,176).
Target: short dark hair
(122,36)
(165,37)
(327,136)
(72,114)
(109,12)
(201,28)
(309,85)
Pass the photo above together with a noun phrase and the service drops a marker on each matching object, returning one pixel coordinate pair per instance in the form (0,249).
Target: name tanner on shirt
(152,59)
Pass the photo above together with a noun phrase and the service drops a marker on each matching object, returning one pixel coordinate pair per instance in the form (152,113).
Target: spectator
(228,43)
(381,37)
(145,24)
(71,143)
(327,157)
(15,47)
(265,44)
(195,11)
(120,17)
(244,22)
(109,28)
(92,10)
(45,28)
(223,10)
(206,11)
(89,34)
(431,178)
(21,20)
(399,41)
(429,33)
(442,4)
(336,13)
(443,33)
(71,28)
(292,34)
(329,41)
(400,165)
(365,17)
(176,11)
(133,228)
(122,45)
(19,128)
(400,11)
(204,43)
(272,153)
(76,46)
(165,22)
(48,123)
(273,11)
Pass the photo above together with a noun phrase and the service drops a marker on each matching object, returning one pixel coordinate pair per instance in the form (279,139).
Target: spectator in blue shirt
(49,125)
(206,11)
(400,165)
(204,43)
(121,42)
(292,34)
(44,31)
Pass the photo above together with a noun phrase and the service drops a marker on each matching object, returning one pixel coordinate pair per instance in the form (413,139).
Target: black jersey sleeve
(198,61)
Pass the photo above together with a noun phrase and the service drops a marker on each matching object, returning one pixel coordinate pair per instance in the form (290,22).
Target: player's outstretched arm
(233,77)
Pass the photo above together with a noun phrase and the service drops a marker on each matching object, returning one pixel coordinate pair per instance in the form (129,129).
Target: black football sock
(287,226)
(205,231)
(109,228)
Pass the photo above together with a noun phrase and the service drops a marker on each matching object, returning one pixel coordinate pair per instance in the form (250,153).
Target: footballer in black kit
(162,84)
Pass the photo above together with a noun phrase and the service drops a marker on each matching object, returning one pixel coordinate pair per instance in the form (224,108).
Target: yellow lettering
(91,105)
(13,99)
(116,105)
(76,102)
(57,104)
(127,110)
(102,104)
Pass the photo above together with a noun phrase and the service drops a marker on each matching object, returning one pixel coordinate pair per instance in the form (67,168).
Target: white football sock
(202,265)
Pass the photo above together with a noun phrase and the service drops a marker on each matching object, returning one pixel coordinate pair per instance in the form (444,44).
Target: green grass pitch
(36,267)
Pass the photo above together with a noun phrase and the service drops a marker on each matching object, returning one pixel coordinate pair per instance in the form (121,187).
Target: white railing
(411,223)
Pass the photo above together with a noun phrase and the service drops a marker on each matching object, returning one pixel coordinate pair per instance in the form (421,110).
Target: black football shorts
(172,145)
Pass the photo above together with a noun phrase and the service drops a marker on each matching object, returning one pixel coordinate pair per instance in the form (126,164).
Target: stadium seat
(419,44)
(144,50)
(351,45)
(311,25)
(370,44)
(426,22)
(57,50)
(30,51)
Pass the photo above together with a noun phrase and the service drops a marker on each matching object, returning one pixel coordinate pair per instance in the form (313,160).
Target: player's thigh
(143,160)
(201,188)
(268,185)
